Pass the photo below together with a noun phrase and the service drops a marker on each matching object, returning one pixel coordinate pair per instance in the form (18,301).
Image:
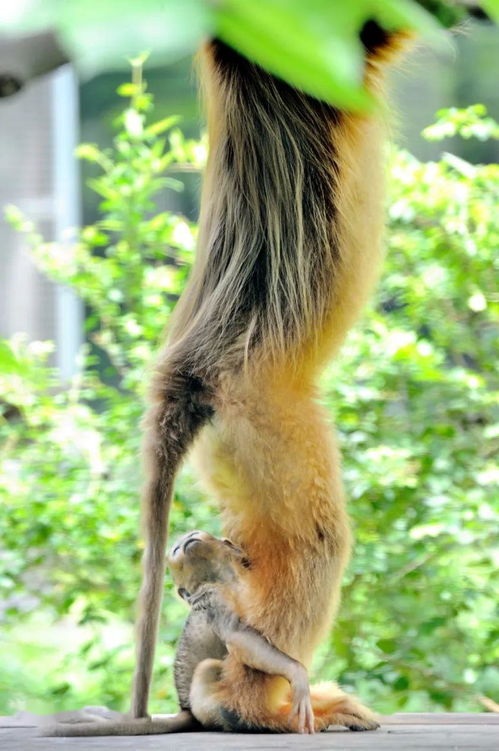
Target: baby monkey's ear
(243,560)
(183,593)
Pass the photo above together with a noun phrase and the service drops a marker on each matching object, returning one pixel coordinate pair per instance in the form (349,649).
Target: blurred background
(94,252)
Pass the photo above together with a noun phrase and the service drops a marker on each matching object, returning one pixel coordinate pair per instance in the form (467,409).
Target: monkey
(288,251)
(207,572)
(289,248)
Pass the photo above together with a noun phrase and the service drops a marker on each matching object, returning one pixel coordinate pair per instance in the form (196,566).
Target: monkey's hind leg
(330,705)
(333,707)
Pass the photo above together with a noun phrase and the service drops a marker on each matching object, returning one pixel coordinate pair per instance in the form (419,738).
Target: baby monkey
(208,573)
(209,576)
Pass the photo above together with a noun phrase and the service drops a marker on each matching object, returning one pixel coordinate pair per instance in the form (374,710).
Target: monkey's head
(199,559)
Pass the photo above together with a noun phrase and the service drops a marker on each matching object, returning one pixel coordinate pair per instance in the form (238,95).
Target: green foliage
(313,45)
(471,122)
(413,397)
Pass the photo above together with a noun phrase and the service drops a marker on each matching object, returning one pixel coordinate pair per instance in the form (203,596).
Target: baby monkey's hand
(301,706)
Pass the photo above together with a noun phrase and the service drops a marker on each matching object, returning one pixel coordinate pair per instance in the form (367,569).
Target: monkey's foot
(333,707)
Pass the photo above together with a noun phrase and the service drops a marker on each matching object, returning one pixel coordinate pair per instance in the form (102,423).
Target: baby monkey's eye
(183,593)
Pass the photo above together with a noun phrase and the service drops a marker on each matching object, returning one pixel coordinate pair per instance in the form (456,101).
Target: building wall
(38,174)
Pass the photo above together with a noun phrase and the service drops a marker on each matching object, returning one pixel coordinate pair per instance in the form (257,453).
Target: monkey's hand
(301,705)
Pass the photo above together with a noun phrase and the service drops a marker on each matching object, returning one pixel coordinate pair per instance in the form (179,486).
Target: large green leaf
(315,45)
(491,7)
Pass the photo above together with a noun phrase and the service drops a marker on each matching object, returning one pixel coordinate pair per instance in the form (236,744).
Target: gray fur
(198,642)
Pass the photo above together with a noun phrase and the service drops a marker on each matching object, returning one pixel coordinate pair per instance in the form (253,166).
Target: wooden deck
(403,732)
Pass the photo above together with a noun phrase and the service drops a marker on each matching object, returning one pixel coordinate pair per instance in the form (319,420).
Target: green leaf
(162,125)
(9,362)
(491,7)
(387,645)
(128,89)
(100,187)
(401,684)
(88,151)
(311,46)
(315,45)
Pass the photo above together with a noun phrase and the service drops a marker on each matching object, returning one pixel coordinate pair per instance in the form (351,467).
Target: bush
(412,396)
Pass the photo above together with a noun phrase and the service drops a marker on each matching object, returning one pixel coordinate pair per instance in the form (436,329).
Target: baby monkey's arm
(253,649)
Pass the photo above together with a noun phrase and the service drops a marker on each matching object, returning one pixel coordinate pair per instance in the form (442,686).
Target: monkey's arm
(254,650)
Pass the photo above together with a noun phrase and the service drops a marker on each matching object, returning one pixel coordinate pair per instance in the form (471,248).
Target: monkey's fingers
(309,718)
(302,709)
(301,718)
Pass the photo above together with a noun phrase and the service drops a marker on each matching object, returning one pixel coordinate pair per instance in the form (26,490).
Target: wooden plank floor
(404,732)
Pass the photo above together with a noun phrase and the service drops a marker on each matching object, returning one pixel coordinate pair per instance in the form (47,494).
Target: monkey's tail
(180,405)
(179,723)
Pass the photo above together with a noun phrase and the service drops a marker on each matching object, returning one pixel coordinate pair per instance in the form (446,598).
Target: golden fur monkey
(289,248)
(208,573)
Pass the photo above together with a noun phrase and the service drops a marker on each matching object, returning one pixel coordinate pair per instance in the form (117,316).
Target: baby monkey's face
(198,558)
